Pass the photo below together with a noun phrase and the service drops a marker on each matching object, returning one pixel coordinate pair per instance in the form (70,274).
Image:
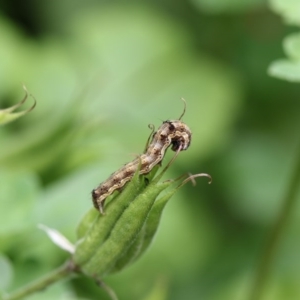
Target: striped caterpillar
(171,132)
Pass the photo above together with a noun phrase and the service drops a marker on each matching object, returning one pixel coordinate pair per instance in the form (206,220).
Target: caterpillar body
(172,133)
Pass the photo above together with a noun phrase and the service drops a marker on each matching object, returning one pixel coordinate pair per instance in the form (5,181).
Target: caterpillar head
(181,136)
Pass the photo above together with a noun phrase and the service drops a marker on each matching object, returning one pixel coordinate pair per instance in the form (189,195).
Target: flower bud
(93,233)
(146,235)
(110,242)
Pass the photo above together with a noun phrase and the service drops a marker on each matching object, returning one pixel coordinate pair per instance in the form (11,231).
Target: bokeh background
(101,71)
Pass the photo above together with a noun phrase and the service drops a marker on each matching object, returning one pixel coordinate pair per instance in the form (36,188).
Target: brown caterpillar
(171,132)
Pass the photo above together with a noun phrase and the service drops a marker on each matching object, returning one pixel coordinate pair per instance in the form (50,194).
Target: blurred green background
(101,71)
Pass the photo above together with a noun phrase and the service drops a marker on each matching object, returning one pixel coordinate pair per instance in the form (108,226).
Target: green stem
(276,234)
(110,292)
(40,284)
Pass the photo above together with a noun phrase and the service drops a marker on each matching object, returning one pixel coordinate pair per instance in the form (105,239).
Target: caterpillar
(172,133)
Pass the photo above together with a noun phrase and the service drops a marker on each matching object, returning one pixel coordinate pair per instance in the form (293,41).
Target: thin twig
(110,292)
(269,252)
(63,271)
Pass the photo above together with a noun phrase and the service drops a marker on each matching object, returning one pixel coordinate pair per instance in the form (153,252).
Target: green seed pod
(125,231)
(153,221)
(86,223)
(108,243)
(98,231)
(146,235)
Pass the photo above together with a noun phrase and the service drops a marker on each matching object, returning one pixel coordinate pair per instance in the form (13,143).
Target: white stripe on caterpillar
(171,132)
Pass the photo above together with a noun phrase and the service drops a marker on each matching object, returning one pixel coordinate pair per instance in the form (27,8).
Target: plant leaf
(288,9)
(285,69)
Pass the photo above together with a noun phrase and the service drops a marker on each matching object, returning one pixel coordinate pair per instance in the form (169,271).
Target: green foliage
(289,68)
(288,10)
(100,73)
(226,6)
(6,272)
(18,197)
